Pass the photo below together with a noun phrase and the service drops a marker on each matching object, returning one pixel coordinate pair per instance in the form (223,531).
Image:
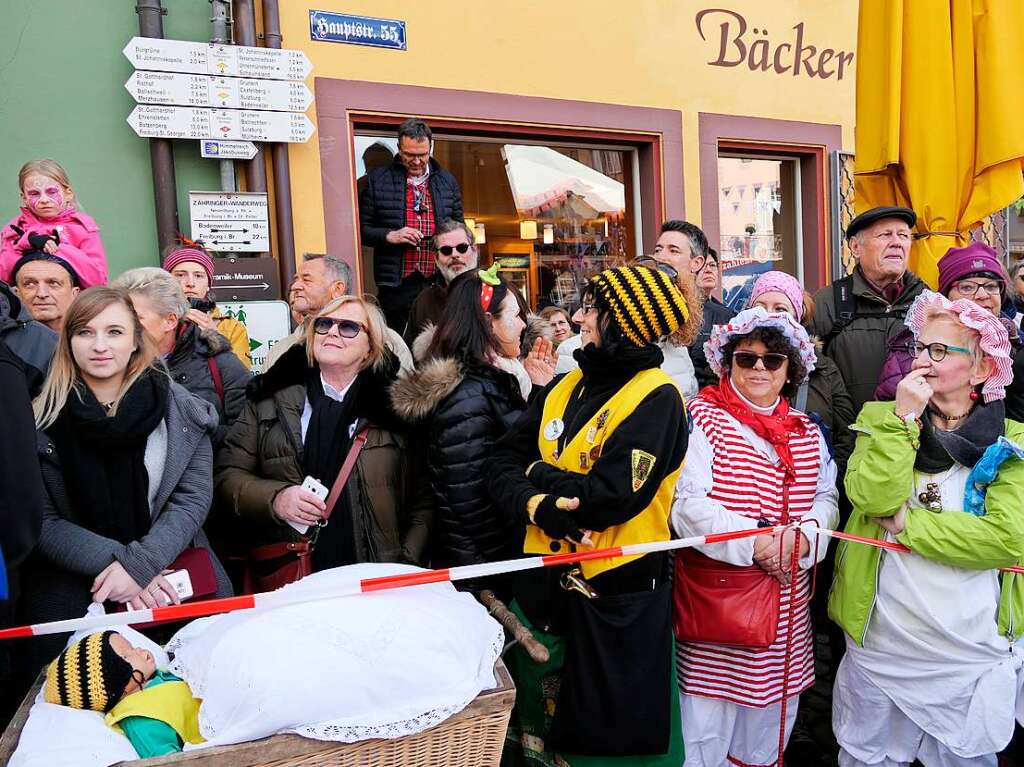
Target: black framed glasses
(447,250)
(653,263)
(771,360)
(346,328)
(936,351)
(589,303)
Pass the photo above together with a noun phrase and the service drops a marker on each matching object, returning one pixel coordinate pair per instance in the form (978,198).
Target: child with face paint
(50,227)
(105,673)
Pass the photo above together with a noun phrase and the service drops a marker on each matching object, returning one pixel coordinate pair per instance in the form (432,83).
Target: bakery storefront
(569,166)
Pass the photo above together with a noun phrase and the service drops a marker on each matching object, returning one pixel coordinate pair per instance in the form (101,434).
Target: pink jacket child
(50,223)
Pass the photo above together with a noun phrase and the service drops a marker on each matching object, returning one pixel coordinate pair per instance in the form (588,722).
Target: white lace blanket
(377,665)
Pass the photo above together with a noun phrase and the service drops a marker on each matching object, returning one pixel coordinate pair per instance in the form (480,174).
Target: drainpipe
(161,153)
(282,174)
(245,34)
(222,36)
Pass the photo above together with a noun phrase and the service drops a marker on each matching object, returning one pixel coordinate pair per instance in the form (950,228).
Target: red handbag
(274,565)
(719,603)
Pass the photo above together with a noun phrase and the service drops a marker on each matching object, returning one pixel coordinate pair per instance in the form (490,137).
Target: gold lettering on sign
(760,53)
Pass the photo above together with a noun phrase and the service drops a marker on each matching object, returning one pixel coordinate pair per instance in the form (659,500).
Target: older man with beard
(455,251)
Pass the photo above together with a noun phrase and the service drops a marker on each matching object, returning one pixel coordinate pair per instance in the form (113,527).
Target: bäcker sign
(737,44)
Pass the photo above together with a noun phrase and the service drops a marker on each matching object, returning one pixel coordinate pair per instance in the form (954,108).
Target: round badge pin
(554,428)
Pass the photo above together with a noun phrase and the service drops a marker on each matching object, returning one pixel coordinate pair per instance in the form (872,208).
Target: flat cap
(868,217)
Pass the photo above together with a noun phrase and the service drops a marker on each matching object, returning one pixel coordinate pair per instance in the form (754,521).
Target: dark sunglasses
(346,328)
(771,360)
(447,250)
(653,263)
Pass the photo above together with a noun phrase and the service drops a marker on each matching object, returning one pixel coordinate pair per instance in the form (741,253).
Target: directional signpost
(240,124)
(230,220)
(210,59)
(189,90)
(246,279)
(223,92)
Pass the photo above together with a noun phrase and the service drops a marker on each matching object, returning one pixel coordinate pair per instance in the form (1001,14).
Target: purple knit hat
(780,282)
(181,255)
(960,262)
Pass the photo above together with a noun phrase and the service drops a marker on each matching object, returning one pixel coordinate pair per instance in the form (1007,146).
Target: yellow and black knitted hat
(89,675)
(644,303)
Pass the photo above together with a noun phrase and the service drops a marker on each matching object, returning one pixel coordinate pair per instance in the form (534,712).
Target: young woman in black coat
(469,391)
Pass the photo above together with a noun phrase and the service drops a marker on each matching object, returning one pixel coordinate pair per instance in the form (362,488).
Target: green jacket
(879,479)
(860,349)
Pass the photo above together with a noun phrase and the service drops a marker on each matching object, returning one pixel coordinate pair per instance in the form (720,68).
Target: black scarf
(103,457)
(940,448)
(328,439)
(329,435)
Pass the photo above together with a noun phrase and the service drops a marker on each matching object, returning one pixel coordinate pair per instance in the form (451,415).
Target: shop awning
(939,105)
(543,179)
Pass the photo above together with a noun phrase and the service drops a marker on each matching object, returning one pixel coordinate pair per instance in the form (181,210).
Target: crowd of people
(443,423)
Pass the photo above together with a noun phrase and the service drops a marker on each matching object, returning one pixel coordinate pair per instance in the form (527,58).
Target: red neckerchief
(777,428)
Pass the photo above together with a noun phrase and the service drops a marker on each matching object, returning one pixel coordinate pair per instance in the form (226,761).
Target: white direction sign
(227,150)
(225,92)
(267,322)
(229,124)
(210,59)
(235,221)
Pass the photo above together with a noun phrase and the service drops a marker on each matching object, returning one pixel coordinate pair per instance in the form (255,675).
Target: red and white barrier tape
(888,545)
(465,572)
(280,598)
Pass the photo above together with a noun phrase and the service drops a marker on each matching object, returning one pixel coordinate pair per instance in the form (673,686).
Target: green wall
(62,96)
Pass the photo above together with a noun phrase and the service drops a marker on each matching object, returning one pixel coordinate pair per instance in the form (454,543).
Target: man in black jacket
(399,210)
(31,342)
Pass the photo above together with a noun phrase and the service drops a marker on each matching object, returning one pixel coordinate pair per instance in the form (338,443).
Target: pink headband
(995,344)
(181,255)
(780,282)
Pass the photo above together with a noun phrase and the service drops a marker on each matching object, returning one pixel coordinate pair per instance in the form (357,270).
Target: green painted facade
(62,96)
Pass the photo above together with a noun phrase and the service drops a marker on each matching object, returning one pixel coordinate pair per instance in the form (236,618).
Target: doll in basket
(103,672)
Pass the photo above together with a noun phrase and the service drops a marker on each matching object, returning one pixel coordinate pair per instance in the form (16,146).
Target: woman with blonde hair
(126,463)
(302,420)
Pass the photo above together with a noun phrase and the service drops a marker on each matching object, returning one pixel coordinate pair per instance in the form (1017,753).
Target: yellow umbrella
(938,115)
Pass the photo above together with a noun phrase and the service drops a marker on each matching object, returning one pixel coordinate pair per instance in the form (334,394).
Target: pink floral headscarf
(995,343)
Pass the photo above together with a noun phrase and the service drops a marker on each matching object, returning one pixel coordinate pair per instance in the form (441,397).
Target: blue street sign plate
(329,27)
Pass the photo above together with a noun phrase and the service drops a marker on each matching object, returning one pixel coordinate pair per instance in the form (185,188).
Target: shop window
(552,215)
(760,224)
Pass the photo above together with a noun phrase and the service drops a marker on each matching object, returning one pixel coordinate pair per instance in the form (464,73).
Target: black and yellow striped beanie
(89,675)
(643,303)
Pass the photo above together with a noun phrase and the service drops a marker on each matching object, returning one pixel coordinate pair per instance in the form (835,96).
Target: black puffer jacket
(464,410)
(191,363)
(382,210)
(31,342)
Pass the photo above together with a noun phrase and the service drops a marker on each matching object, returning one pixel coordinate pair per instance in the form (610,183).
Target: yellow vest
(584,449)
(170,702)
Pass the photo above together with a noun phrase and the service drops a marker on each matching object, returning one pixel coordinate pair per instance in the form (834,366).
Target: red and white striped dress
(748,483)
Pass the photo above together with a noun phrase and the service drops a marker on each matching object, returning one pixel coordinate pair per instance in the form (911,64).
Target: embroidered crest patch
(642,462)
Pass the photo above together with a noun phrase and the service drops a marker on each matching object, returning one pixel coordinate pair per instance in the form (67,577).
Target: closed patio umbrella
(939,106)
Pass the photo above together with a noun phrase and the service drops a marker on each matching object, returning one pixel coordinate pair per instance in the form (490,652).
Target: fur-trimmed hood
(416,394)
(206,342)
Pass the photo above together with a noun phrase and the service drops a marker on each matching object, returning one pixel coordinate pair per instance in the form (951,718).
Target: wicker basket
(472,738)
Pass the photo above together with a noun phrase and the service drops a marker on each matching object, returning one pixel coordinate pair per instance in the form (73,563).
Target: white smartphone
(316,488)
(181,582)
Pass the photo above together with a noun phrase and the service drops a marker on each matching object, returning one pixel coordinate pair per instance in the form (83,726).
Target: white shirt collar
(335,394)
